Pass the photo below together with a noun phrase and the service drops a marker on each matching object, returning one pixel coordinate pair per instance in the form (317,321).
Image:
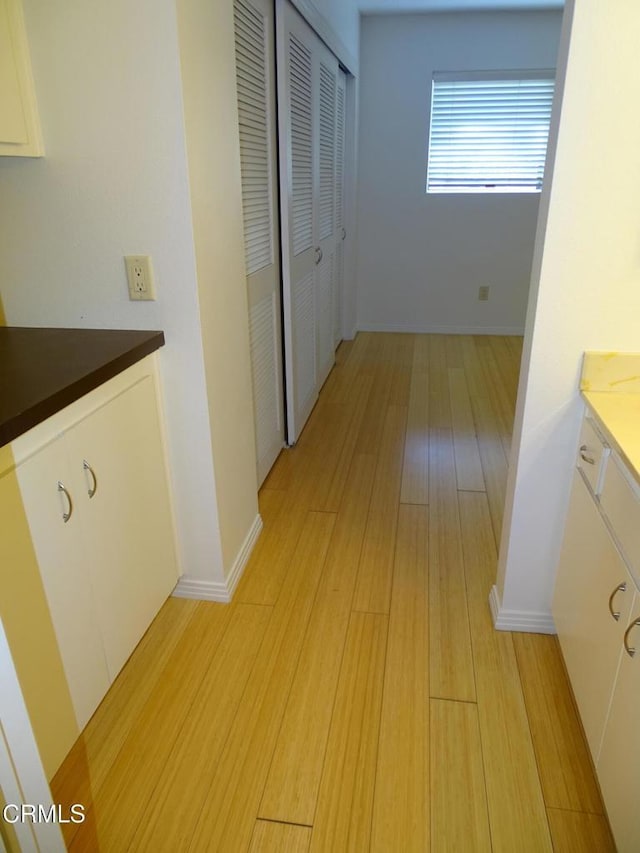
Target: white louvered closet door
(307,104)
(298,145)
(255,74)
(340,232)
(326,207)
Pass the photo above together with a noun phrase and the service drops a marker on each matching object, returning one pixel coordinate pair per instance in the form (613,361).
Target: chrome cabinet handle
(91,490)
(318,255)
(622,587)
(66,515)
(344,233)
(584,457)
(629,649)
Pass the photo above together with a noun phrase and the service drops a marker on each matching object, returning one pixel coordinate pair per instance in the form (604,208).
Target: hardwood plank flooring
(291,790)
(196,754)
(468,465)
(270,837)
(577,832)
(345,800)
(401,804)
(146,750)
(459,800)
(354,696)
(514,789)
(231,804)
(451,664)
(415,470)
(373,588)
(563,757)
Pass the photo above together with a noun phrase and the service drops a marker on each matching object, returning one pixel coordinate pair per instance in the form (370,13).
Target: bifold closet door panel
(255,76)
(308,101)
(326,207)
(340,230)
(298,140)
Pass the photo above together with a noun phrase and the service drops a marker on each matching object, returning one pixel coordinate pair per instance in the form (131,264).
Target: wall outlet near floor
(140,277)
(483,293)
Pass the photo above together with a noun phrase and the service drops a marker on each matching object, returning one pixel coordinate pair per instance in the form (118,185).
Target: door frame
(22,776)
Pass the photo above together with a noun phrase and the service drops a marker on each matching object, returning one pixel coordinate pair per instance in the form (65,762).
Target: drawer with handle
(592,454)
(620,501)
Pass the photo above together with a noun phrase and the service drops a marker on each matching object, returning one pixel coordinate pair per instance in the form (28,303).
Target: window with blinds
(489,131)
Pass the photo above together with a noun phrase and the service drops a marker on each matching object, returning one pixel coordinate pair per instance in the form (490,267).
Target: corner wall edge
(222,591)
(527,621)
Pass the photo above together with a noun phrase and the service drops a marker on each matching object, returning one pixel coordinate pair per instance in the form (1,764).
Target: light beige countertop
(610,386)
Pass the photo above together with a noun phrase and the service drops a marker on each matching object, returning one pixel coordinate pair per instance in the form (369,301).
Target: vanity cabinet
(65,574)
(619,764)
(94,488)
(596,610)
(19,125)
(592,585)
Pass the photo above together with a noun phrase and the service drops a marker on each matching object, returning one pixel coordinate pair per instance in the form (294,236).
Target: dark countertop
(44,370)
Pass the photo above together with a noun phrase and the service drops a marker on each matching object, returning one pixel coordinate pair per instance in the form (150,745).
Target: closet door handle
(318,255)
(344,233)
(622,587)
(91,490)
(629,649)
(66,515)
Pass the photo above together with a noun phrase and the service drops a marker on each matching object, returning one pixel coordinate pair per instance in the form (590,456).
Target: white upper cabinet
(19,125)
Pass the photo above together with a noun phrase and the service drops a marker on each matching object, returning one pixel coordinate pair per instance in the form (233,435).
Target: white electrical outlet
(483,293)
(140,277)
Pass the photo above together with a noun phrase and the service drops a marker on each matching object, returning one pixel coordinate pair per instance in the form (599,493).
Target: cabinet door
(589,573)
(19,126)
(127,523)
(619,764)
(64,572)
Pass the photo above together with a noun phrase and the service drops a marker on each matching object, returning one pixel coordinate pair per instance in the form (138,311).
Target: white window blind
(489,131)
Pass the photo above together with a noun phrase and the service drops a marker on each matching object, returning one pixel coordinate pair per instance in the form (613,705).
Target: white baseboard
(528,621)
(221,590)
(201,590)
(243,555)
(427,329)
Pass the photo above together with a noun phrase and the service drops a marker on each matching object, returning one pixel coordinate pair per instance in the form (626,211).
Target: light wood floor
(354,696)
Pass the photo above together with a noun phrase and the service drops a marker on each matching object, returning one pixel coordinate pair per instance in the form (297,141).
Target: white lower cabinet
(588,591)
(596,609)
(619,764)
(59,550)
(97,503)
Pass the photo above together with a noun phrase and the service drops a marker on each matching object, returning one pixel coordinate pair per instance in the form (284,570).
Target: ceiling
(392,6)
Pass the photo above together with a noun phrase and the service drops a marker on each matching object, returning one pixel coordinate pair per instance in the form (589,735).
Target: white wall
(207,50)
(114,182)
(585,288)
(422,258)
(337,22)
